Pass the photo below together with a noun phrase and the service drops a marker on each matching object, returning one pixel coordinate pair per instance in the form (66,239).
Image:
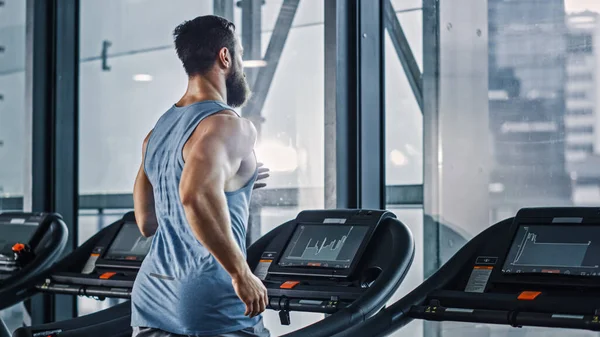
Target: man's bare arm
(214,156)
(216,150)
(143,200)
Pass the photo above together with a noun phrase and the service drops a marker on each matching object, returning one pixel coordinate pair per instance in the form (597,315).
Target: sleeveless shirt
(181,288)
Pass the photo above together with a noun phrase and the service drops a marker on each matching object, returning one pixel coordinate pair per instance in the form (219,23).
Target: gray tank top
(181,288)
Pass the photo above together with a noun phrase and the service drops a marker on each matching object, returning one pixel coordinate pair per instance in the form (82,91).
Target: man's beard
(238,91)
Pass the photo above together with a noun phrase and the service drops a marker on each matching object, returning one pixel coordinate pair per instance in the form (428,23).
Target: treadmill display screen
(555,249)
(326,246)
(129,244)
(15,233)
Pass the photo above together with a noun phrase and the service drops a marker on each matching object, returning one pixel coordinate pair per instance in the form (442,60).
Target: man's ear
(225,59)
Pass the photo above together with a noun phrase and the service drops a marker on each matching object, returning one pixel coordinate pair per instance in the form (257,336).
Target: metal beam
(251,34)
(356,82)
(371,104)
(431,146)
(404,195)
(224,8)
(431,183)
(66,134)
(265,75)
(404,52)
(40,54)
(39,105)
(252,43)
(341,105)
(334,90)
(11,204)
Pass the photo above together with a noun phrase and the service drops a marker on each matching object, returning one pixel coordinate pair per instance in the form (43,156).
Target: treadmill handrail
(396,316)
(22,284)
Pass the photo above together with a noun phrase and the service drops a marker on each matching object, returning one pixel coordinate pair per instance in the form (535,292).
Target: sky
(581,5)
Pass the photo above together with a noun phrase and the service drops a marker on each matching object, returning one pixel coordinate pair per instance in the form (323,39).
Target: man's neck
(203,88)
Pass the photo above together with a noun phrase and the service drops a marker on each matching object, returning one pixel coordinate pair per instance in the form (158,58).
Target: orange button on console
(289,284)
(107,275)
(18,247)
(528,295)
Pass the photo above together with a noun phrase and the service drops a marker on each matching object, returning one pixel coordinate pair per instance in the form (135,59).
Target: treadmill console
(105,265)
(20,237)
(128,244)
(327,247)
(556,248)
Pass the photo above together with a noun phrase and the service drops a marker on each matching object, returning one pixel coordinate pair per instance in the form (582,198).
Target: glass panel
(13,133)
(541,116)
(13,130)
(407,5)
(404,140)
(122,97)
(404,120)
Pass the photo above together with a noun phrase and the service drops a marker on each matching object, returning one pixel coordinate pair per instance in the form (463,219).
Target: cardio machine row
(539,268)
(344,263)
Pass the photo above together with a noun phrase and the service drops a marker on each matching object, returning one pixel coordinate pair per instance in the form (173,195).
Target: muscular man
(192,193)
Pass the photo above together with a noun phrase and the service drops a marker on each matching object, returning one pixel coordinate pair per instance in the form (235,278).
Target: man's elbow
(147,230)
(146,226)
(146,233)
(188,198)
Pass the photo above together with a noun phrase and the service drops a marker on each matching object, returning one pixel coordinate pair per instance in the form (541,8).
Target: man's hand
(263,173)
(252,292)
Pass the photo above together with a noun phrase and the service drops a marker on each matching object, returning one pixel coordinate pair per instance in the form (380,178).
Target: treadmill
(344,263)
(30,243)
(105,266)
(538,269)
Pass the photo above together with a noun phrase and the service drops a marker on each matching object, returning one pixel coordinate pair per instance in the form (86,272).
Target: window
(404,121)
(581,77)
(13,134)
(580,43)
(577,94)
(13,130)
(130,75)
(404,138)
(518,145)
(580,112)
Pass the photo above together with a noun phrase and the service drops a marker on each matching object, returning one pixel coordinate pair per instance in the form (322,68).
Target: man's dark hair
(198,42)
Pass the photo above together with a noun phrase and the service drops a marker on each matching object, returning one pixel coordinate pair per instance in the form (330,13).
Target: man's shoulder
(226,124)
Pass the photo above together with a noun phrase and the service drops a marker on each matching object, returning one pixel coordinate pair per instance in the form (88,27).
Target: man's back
(181,287)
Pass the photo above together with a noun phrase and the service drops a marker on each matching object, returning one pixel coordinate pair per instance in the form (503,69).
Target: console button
(107,275)
(528,295)
(289,284)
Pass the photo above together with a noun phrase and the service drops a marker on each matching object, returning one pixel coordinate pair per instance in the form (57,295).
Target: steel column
(224,8)
(251,33)
(55,60)
(371,113)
